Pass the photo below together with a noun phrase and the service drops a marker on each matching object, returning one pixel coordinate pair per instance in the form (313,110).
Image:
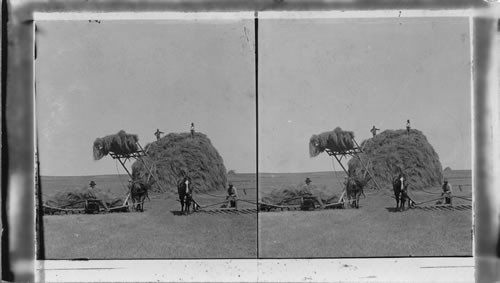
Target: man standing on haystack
(232,196)
(158,134)
(408,127)
(446,194)
(374,130)
(192,130)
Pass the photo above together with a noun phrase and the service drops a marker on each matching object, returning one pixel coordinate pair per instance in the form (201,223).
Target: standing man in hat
(374,130)
(408,127)
(446,194)
(232,196)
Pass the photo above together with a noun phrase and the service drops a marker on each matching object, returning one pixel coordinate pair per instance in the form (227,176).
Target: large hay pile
(392,151)
(76,198)
(336,140)
(176,154)
(291,195)
(120,143)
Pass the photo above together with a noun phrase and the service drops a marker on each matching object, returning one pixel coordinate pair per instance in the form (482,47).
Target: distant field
(373,230)
(155,233)
(334,179)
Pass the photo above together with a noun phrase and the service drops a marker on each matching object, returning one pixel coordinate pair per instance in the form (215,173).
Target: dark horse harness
(185,194)
(354,192)
(400,187)
(138,193)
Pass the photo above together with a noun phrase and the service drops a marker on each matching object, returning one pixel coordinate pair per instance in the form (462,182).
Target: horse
(354,188)
(354,191)
(138,193)
(185,191)
(400,187)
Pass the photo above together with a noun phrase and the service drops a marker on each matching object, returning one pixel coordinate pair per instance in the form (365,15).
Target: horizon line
(303,172)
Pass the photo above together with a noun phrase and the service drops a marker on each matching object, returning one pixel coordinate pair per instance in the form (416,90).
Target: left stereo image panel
(146,136)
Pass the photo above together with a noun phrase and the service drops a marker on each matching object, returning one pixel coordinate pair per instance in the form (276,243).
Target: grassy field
(155,233)
(373,230)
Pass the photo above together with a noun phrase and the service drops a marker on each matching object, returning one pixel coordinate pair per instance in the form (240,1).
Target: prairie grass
(373,230)
(155,233)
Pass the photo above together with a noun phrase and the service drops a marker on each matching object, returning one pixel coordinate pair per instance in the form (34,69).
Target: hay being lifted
(393,151)
(120,143)
(178,153)
(336,140)
(291,195)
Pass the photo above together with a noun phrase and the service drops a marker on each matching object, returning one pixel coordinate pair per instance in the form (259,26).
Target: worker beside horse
(232,197)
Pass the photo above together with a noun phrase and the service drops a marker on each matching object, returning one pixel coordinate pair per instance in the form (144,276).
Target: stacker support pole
(338,160)
(151,174)
(368,171)
(149,170)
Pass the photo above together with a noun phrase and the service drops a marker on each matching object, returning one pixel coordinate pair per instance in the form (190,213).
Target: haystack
(393,151)
(336,140)
(177,154)
(120,143)
(290,195)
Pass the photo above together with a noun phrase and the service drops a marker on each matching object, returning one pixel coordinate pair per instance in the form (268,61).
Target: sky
(317,74)
(94,79)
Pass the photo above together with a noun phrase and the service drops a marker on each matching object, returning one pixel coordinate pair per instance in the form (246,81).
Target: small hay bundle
(336,140)
(392,152)
(177,154)
(120,143)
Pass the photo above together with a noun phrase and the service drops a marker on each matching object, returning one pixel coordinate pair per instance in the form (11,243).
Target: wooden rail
(445,207)
(50,210)
(227,211)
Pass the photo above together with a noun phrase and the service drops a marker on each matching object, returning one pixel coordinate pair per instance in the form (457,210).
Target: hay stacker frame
(307,202)
(353,153)
(93,206)
(137,155)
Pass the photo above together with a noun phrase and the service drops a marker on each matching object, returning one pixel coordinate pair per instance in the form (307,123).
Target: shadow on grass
(179,213)
(393,209)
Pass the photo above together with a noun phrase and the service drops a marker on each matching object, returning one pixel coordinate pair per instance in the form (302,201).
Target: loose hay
(392,151)
(76,198)
(291,195)
(120,143)
(176,154)
(336,140)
